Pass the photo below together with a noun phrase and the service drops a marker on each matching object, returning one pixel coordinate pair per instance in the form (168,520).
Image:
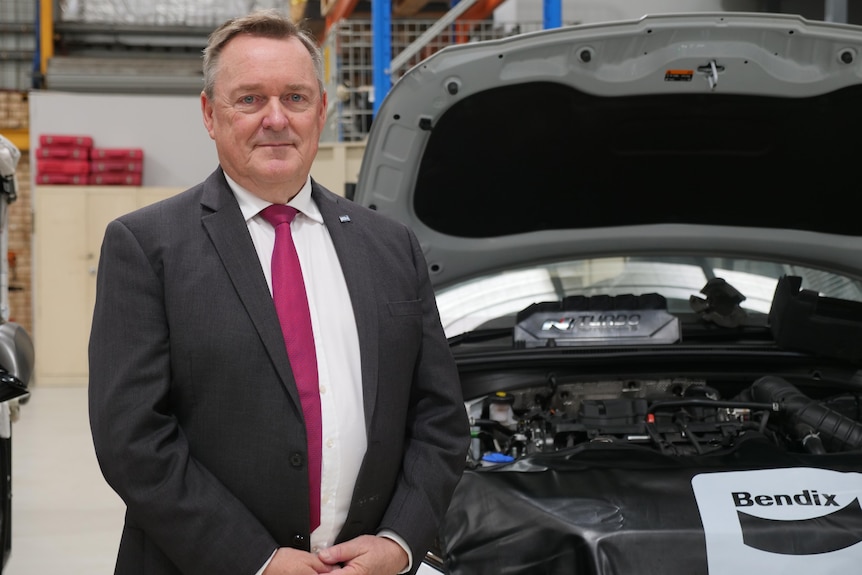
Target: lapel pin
(343,219)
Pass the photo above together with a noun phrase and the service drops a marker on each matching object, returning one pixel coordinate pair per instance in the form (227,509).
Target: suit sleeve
(142,451)
(437,434)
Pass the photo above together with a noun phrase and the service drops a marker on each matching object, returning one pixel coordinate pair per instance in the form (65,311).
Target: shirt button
(329,443)
(315,549)
(322,389)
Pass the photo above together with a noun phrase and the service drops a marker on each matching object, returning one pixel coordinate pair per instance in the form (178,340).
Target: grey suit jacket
(195,416)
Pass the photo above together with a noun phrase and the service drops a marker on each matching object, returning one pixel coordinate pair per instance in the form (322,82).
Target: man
(194,407)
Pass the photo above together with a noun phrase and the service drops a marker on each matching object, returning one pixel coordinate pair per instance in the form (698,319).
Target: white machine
(16,350)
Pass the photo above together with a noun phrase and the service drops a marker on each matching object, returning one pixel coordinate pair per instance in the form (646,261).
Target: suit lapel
(224,222)
(348,239)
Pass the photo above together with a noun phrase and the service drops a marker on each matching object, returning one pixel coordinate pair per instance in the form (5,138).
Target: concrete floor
(65,519)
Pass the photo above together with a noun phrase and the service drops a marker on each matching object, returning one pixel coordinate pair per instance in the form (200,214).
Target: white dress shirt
(336,343)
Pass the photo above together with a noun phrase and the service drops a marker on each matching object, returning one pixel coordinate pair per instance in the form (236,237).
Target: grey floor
(65,519)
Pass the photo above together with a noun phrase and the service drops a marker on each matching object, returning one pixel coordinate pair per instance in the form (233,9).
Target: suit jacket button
(296,460)
(298,541)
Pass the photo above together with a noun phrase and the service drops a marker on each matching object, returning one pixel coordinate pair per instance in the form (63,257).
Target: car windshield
(482,301)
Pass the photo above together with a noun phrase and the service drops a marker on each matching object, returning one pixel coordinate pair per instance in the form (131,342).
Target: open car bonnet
(699,133)
(678,150)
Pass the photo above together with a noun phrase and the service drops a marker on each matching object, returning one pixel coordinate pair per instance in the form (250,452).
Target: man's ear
(207,111)
(322,119)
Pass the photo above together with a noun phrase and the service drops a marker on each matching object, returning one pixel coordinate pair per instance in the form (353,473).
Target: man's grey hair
(261,23)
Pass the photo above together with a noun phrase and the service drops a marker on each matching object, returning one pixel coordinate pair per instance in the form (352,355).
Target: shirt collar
(251,205)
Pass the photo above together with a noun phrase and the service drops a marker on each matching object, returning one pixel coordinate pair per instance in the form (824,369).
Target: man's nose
(275,115)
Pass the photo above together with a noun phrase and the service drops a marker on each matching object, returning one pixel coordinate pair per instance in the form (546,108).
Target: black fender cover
(626,510)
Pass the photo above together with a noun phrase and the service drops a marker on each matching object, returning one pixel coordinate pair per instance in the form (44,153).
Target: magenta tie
(288,293)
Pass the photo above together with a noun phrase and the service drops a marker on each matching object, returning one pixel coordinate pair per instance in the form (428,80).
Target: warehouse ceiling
(94,54)
(105,47)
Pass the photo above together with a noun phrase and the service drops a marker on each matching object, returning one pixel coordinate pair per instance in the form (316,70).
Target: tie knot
(277,214)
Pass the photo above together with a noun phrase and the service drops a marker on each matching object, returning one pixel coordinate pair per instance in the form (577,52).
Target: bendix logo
(806,497)
(795,520)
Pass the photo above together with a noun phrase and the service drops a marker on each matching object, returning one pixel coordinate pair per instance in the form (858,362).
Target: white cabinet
(69,222)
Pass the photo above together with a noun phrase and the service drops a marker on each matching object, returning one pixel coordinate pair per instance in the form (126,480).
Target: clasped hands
(364,555)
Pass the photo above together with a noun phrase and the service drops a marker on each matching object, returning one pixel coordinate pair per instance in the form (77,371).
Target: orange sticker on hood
(678,75)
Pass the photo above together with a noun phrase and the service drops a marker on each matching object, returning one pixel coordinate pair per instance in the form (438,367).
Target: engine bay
(635,439)
(685,414)
(672,416)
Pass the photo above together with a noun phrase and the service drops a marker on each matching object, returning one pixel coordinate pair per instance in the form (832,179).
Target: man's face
(266,114)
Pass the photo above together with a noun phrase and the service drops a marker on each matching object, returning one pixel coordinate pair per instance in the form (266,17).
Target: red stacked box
(63,159)
(116,166)
(70,159)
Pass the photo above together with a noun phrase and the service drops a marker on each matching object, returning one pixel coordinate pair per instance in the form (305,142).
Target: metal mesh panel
(350,68)
(17,43)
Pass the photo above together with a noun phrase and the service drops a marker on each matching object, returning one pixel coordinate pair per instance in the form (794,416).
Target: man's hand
(287,561)
(366,555)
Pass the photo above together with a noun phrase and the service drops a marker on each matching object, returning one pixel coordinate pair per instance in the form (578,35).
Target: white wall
(178,152)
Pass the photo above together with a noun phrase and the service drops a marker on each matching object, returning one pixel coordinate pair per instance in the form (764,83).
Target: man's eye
(247,100)
(296,98)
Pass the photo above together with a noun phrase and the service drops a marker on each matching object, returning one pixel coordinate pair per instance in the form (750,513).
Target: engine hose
(809,438)
(837,432)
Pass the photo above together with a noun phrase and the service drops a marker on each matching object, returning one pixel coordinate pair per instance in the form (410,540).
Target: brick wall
(14,110)
(20,252)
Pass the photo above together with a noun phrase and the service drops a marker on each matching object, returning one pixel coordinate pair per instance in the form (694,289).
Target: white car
(646,249)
